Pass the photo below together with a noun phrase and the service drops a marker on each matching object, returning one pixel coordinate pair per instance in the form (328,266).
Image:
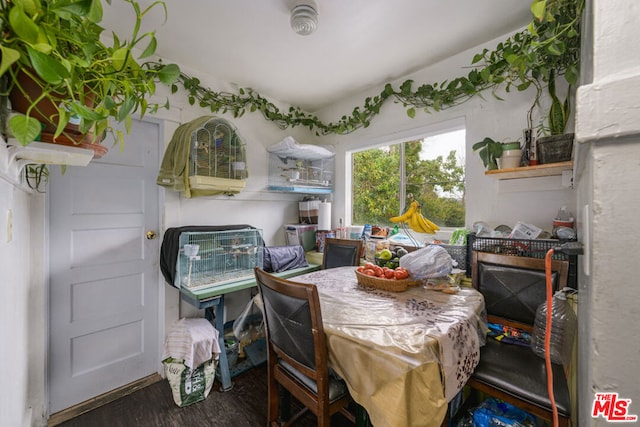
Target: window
(431,168)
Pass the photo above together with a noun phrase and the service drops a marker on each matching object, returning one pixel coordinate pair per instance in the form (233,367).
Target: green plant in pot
(64,80)
(558,57)
(491,151)
(538,59)
(555,145)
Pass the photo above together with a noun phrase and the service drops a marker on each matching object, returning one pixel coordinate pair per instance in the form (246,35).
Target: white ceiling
(359,44)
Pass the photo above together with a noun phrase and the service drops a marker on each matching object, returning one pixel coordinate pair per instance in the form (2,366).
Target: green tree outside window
(438,184)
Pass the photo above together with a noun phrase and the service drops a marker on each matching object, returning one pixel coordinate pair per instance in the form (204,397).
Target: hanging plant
(547,49)
(55,65)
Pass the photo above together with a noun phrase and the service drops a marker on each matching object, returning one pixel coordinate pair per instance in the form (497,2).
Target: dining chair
(297,354)
(341,252)
(513,287)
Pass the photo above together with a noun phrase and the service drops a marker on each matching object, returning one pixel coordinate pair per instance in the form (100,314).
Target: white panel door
(104,283)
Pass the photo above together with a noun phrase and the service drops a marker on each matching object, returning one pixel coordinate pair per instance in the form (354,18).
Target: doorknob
(151,235)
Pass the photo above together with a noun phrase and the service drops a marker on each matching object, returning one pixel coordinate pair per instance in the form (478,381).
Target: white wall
(531,200)
(22,308)
(608,131)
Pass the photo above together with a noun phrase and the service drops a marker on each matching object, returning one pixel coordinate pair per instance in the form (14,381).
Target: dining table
(403,355)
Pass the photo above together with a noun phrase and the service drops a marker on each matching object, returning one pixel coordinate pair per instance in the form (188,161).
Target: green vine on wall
(548,48)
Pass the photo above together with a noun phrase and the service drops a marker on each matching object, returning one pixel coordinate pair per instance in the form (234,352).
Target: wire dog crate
(535,248)
(214,258)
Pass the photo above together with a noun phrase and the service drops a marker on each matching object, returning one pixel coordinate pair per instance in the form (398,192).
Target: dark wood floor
(244,405)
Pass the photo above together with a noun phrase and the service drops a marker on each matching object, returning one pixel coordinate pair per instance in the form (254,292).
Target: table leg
(217,320)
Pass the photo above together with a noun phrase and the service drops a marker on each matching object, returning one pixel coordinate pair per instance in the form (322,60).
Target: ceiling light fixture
(304,19)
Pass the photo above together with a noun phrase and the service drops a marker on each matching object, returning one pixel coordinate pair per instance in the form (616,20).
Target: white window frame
(413,134)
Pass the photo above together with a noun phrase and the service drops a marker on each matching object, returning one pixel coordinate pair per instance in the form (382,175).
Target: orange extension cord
(547,335)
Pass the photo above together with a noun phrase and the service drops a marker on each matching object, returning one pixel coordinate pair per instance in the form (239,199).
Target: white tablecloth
(404,355)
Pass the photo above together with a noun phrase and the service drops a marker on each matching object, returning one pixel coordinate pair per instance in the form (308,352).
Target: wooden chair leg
(324,420)
(285,403)
(273,401)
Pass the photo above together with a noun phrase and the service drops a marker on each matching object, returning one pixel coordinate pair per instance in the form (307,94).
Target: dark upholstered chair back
(297,354)
(511,291)
(341,252)
(513,287)
(289,322)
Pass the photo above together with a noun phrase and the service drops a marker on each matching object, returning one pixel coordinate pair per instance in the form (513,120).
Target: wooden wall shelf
(548,169)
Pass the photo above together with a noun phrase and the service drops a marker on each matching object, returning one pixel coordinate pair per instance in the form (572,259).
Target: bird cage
(301,168)
(213,258)
(217,158)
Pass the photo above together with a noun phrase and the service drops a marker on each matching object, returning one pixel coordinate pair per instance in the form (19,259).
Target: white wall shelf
(14,157)
(549,169)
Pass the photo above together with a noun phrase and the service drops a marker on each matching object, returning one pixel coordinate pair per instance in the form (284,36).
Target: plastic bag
(449,284)
(189,386)
(428,262)
(496,413)
(249,326)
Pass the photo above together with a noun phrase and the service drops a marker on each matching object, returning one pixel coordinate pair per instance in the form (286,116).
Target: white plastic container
(355,232)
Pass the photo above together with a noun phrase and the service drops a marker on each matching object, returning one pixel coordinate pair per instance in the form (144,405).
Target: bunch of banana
(413,208)
(420,224)
(416,221)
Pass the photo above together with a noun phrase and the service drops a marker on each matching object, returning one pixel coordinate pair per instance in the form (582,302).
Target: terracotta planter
(45,111)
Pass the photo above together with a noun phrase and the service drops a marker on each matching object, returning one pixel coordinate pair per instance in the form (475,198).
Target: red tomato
(360,269)
(369,272)
(401,274)
(389,274)
(378,271)
(370,265)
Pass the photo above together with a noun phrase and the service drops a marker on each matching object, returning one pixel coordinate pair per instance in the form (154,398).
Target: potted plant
(539,58)
(491,152)
(81,84)
(555,145)
(557,58)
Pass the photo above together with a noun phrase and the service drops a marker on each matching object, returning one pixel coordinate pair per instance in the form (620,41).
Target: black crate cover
(170,245)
